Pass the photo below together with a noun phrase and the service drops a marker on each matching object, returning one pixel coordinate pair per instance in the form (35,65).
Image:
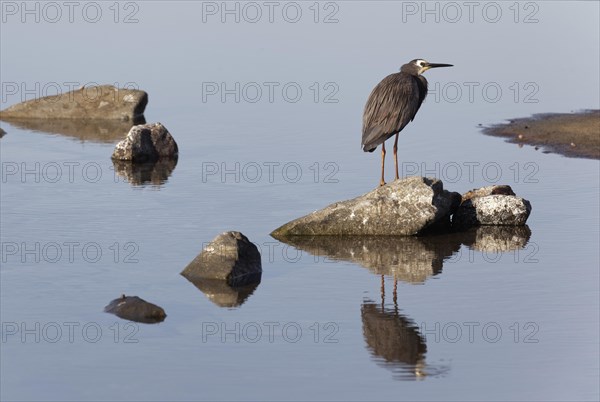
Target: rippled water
(495,313)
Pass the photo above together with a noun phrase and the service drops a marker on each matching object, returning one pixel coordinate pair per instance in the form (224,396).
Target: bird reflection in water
(393,339)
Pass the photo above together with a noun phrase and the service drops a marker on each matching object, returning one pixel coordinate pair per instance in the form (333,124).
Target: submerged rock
(229,257)
(493,205)
(569,134)
(2,133)
(136,309)
(146,143)
(94,102)
(403,207)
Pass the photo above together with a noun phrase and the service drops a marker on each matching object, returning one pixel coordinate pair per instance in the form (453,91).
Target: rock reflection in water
(498,239)
(394,340)
(408,258)
(104,131)
(223,295)
(138,174)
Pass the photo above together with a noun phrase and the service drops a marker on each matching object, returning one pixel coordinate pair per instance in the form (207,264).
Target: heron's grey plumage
(393,104)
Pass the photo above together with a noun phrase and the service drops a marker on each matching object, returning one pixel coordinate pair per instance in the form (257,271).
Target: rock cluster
(411,206)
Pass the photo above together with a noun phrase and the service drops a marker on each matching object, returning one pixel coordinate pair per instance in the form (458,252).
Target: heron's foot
(382,183)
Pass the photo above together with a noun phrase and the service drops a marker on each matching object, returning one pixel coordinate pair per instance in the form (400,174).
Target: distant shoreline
(575,135)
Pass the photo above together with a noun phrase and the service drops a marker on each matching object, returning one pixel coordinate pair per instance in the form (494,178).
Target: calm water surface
(491,314)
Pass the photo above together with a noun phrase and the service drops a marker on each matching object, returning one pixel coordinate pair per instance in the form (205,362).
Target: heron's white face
(422,65)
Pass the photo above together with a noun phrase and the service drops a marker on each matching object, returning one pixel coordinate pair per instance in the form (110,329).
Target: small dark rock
(146,143)
(489,190)
(136,309)
(229,257)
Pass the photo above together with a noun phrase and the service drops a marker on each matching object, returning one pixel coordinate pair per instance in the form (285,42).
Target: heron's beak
(434,65)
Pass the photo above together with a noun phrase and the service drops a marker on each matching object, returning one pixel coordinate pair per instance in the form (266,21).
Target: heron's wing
(422,84)
(392,104)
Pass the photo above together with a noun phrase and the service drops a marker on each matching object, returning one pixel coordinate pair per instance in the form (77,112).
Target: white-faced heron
(393,103)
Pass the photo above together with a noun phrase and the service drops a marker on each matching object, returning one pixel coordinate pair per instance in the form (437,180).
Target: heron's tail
(374,137)
(369,148)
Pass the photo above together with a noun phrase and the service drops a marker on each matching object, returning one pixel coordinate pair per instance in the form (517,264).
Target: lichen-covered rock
(229,257)
(493,205)
(146,143)
(94,102)
(403,207)
(136,309)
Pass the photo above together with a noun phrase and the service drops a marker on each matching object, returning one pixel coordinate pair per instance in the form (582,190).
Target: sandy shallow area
(570,134)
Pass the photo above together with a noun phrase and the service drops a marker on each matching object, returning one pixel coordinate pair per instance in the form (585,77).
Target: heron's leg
(395,293)
(382,291)
(382,181)
(396,155)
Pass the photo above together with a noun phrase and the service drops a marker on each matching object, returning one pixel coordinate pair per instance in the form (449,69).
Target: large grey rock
(136,309)
(95,102)
(229,257)
(493,205)
(146,143)
(403,207)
